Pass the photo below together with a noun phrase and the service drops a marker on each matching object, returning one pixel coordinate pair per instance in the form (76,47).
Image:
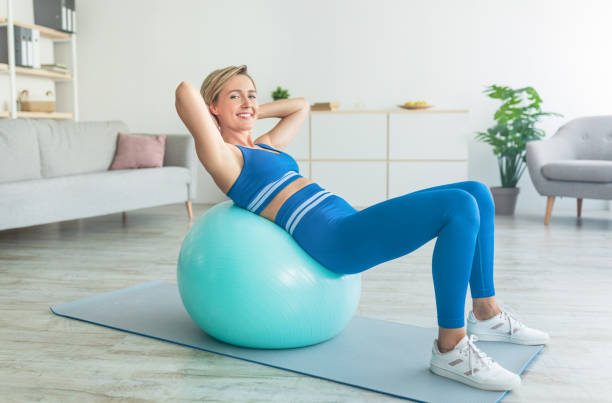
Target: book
(324,106)
(53,65)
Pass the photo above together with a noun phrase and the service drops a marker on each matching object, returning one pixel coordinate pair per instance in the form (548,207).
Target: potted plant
(280,93)
(515,126)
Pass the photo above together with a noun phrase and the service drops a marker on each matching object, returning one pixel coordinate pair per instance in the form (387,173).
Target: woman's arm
(281,108)
(193,111)
(292,112)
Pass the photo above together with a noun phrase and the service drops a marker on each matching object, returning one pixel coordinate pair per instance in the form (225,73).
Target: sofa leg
(189,213)
(579,207)
(549,206)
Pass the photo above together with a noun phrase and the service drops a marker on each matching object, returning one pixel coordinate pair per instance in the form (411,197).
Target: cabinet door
(428,136)
(407,177)
(360,183)
(349,136)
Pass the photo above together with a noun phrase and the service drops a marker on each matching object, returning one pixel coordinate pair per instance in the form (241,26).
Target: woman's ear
(212,108)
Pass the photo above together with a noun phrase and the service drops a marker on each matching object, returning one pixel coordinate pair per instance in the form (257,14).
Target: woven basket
(36,106)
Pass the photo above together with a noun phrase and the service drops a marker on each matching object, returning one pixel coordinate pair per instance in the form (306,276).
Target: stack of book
(324,106)
(60,68)
(26,45)
(56,14)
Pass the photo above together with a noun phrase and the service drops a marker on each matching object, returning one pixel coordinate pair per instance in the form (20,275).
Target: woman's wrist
(281,108)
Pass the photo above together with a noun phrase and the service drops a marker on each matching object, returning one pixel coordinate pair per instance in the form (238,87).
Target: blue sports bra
(263,175)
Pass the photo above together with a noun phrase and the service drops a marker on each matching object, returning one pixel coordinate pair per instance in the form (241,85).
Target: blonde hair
(215,81)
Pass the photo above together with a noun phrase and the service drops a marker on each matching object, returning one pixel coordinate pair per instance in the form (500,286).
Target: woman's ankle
(448,338)
(485,308)
(444,348)
(484,314)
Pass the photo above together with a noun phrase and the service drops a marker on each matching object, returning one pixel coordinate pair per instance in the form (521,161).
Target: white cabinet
(428,136)
(370,156)
(410,176)
(427,150)
(360,183)
(348,136)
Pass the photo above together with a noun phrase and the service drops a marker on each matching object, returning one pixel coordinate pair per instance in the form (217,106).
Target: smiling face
(236,106)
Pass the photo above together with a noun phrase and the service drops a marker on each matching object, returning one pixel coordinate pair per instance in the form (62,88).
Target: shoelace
(514,322)
(471,350)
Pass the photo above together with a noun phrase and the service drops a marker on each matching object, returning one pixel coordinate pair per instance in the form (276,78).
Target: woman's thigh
(477,189)
(349,241)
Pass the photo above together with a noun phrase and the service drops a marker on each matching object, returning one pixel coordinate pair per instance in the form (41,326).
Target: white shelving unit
(59,79)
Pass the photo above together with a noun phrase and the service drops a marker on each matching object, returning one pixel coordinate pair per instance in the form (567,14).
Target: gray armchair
(575,162)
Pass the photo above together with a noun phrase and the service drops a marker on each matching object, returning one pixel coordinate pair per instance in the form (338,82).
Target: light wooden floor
(558,278)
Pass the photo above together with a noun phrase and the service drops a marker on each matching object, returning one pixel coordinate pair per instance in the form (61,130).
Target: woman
(257,175)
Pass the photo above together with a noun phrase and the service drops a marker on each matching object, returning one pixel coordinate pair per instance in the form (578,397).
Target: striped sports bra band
(263,195)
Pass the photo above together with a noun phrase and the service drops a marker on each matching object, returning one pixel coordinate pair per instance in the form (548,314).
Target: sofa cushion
(69,148)
(579,170)
(139,151)
(40,201)
(19,155)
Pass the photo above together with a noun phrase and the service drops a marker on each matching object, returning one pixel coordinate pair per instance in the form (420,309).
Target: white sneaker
(467,364)
(504,327)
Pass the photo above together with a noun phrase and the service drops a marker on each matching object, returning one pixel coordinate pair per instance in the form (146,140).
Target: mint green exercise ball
(245,281)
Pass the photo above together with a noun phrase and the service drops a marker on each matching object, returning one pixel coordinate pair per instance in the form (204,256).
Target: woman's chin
(247,123)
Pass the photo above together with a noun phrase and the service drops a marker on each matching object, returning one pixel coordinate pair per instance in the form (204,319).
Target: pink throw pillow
(139,151)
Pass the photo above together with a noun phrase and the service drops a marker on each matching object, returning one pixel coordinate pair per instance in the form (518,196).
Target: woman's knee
(482,194)
(464,207)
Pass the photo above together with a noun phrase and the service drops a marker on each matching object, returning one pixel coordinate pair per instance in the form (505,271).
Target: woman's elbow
(181,84)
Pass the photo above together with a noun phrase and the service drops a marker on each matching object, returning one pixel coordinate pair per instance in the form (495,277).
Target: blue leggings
(348,241)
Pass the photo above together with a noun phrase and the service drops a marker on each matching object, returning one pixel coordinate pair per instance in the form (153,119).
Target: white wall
(132,54)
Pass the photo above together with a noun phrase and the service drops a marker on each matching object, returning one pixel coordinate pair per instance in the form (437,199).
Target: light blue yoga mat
(381,356)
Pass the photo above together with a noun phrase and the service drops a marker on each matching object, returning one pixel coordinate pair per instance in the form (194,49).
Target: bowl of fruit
(415,105)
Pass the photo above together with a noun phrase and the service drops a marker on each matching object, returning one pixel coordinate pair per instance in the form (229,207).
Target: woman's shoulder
(227,168)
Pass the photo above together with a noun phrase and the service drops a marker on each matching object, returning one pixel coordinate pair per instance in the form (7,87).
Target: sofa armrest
(180,152)
(541,152)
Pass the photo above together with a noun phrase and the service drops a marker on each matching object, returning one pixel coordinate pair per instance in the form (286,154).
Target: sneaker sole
(506,338)
(463,379)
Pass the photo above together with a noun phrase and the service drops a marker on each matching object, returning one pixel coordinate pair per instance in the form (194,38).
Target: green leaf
(515,124)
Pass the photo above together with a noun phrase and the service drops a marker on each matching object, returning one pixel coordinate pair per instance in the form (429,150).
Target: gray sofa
(54,170)
(575,162)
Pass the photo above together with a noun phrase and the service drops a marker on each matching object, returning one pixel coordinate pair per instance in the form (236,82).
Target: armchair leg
(549,206)
(189,213)
(579,207)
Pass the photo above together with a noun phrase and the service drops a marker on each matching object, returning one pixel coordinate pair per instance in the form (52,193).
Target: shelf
(399,110)
(14,73)
(45,32)
(30,71)
(39,115)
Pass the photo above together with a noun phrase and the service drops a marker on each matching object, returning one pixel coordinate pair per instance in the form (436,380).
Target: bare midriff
(276,203)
